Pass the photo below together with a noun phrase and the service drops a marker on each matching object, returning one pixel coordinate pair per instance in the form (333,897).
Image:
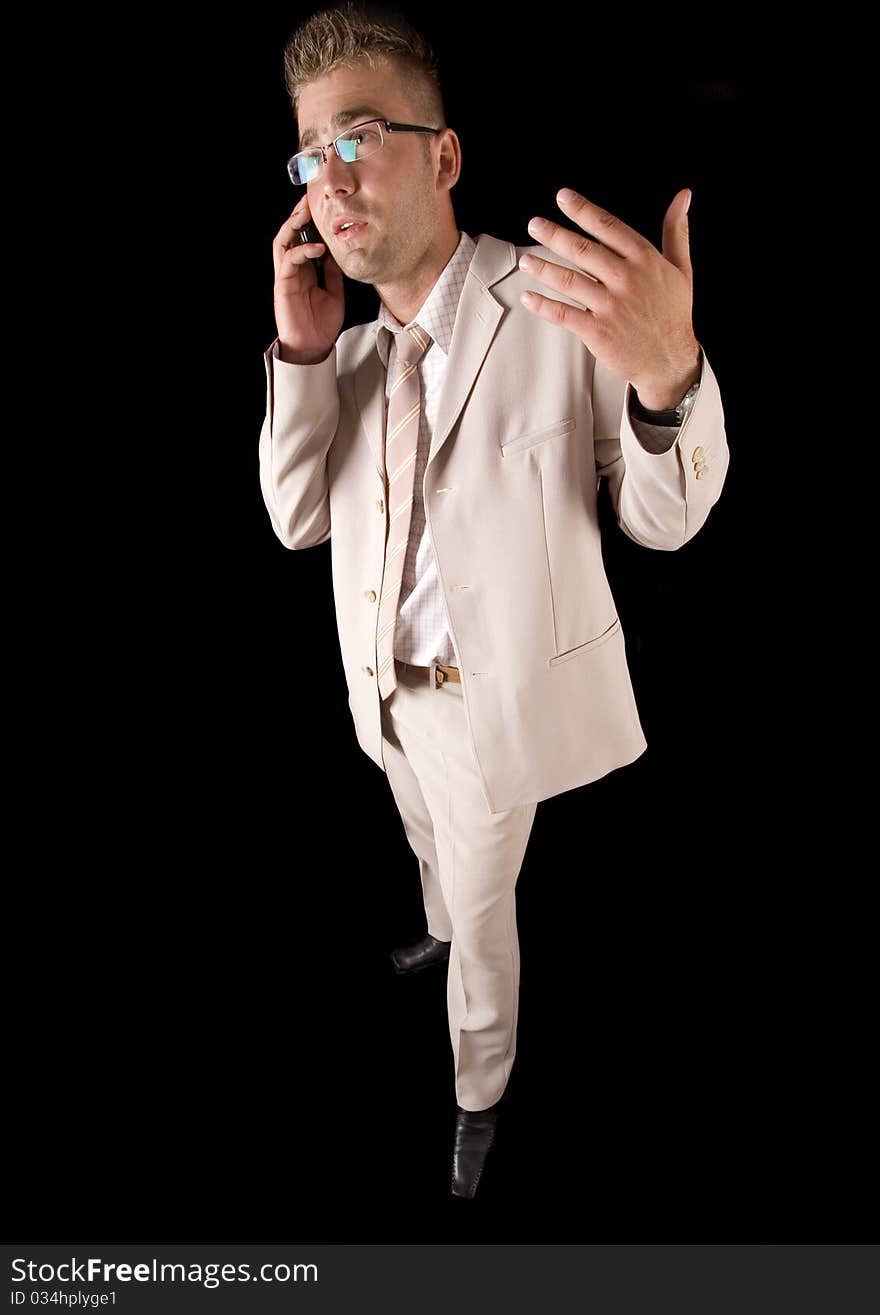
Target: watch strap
(672,416)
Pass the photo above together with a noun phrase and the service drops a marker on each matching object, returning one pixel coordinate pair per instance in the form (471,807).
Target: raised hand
(637,316)
(308,317)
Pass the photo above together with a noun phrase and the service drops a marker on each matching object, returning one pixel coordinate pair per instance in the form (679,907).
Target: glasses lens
(360,142)
(306,166)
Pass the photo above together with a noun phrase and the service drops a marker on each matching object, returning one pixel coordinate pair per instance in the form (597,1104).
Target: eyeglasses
(355,144)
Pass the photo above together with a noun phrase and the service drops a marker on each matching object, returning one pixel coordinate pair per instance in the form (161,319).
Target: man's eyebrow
(354,114)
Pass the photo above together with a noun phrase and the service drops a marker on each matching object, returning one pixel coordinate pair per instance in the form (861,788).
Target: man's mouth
(351,229)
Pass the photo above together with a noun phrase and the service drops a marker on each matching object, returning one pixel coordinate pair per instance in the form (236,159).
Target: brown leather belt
(442,673)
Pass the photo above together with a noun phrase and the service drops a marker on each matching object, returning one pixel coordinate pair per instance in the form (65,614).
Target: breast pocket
(534,436)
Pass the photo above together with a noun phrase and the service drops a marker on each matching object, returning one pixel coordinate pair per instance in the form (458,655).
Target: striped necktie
(401,446)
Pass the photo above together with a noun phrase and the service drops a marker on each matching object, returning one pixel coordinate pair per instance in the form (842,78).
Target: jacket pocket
(588,646)
(538,435)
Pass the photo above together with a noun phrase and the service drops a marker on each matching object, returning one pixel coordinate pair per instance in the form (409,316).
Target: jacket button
(698,452)
(699,474)
(368,670)
(370,595)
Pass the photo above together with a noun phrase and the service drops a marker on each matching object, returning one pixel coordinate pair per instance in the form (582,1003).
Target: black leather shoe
(421,955)
(474,1135)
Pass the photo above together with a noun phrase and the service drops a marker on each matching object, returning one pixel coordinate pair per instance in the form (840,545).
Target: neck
(406,298)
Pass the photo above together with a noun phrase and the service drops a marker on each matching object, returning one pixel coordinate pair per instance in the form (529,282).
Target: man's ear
(450,157)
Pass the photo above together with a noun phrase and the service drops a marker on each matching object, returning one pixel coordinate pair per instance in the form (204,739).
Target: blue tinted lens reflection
(308,168)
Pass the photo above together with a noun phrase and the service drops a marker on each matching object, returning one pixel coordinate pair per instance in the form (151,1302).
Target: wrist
(291,357)
(663,395)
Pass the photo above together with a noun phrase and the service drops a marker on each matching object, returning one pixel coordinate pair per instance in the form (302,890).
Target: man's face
(393,191)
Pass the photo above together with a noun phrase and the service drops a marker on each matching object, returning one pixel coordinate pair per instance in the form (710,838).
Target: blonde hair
(369,33)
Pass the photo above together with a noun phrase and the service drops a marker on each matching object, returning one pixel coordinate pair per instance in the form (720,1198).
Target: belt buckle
(436,676)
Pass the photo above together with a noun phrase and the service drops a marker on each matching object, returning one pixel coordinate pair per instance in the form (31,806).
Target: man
(452,451)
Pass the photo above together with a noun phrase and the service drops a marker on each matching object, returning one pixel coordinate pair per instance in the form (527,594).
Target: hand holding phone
(309,295)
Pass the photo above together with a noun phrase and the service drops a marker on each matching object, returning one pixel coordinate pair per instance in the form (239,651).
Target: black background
(207,1033)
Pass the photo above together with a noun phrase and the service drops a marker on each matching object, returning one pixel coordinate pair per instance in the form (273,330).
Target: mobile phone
(308,233)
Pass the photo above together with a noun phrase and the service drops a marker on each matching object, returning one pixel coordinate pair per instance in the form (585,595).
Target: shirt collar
(434,316)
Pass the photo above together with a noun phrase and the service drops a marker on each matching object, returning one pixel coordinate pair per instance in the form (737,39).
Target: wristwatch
(673,415)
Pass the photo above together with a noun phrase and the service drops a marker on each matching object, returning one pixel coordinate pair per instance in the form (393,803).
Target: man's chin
(359,267)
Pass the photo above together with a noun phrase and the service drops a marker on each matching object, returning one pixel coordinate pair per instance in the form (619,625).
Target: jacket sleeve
(661,493)
(302,415)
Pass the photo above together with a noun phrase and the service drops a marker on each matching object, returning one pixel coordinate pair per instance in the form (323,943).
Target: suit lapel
(369,388)
(476,320)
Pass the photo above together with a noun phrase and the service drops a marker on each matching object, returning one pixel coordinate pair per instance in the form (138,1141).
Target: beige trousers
(469,860)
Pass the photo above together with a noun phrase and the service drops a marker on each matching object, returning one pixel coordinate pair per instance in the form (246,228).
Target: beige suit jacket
(529,423)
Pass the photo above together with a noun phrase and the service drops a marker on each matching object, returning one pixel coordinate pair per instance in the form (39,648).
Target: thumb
(676,233)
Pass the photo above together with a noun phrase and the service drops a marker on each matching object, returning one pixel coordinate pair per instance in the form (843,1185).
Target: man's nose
(337,174)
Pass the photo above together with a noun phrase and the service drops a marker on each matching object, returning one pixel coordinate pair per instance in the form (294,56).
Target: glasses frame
(383,123)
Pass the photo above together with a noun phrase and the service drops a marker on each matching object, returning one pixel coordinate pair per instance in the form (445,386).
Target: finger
(298,255)
(582,323)
(610,231)
(303,251)
(676,233)
(596,261)
(570,282)
(299,216)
